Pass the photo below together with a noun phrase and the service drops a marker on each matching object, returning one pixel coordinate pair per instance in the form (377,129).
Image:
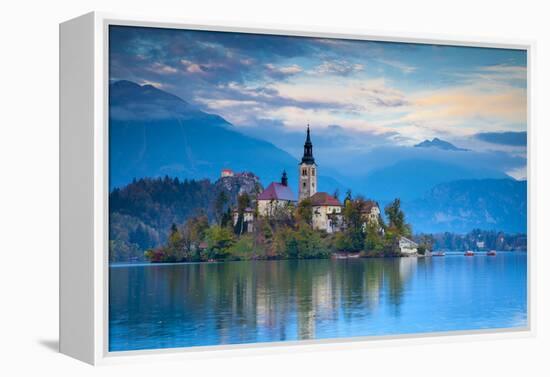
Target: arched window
(313,172)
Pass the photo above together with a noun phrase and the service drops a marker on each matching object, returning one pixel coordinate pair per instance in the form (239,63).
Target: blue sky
(360,97)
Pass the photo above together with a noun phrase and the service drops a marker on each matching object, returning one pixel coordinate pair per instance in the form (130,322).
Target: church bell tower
(307,171)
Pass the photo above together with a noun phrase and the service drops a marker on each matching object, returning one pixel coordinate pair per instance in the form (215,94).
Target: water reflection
(243,302)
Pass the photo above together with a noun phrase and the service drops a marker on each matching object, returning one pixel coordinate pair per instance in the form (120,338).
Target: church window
(312,172)
(304,185)
(304,172)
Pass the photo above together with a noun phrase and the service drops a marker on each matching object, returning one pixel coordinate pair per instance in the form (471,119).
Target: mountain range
(153,133)
(463,205)
(439,144)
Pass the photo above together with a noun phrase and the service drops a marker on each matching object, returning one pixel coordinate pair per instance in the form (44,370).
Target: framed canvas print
(226,188)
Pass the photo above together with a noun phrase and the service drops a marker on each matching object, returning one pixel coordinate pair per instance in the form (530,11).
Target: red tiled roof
(324,199)
(369,205)
(277,191)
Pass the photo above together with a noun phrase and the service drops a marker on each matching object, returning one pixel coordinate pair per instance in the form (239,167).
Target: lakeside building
(276,197)
(370,213)
(407,246)
(248,219)
(227,173)
(327,212)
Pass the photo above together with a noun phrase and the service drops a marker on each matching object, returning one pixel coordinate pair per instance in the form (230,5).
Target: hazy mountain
(440,144)
(154,133)
(410,179)
(460,206)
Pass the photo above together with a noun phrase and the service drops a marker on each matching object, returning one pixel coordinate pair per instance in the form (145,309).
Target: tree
(219,241)
(194,232)
(336,194)
(175,250)
(243,202)
(373,240)
(243,249)
(396,218)
(348,197)
(304,212)
(421,249)
(227,218)
(305,243)
(353,223)
(219,206)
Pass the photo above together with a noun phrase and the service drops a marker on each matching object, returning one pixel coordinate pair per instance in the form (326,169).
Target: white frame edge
(84,191)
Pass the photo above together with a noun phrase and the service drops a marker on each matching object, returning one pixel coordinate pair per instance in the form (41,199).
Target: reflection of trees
(238,302)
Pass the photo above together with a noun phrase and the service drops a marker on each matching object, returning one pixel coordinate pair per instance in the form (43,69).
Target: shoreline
(448,254)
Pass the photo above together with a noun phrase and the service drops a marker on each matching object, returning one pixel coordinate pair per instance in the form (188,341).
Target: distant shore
(454,253)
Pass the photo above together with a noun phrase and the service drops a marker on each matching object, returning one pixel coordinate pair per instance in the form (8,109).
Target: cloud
(388,93)
(338,67)
(455,106)
(498,75)
(163,69)
(404,68)
(282,72)
(504,138)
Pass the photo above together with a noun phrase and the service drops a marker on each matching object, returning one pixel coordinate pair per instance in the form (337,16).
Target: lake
(184,305)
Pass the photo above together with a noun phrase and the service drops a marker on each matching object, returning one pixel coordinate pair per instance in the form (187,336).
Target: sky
(364,98)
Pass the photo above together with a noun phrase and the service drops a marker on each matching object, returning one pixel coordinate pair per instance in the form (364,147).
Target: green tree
(243,202)
(348,197)
(304,212)
(336,194)
(353,223)
(243,249)
(219,206)
(306,243)
(227,218)
(219,241)
(193,233)
(396,218)
(373,240)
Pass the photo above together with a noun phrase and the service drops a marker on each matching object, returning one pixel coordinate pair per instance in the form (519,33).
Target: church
(327,211)
(278,195)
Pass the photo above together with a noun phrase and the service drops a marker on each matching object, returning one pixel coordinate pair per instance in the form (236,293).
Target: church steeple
(284,179)
(308,150)
(307,171)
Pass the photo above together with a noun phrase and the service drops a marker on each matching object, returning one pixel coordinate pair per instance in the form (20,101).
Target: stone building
(248,219)
(370,213)
(327,212)
(278,196)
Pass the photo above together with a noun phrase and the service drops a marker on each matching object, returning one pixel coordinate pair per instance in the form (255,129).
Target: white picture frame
(84,190)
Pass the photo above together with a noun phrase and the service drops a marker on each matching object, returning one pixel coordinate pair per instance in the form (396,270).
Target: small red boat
(492,253)
(469,253)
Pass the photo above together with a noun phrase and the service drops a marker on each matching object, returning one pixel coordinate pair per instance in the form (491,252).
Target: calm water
(163,306)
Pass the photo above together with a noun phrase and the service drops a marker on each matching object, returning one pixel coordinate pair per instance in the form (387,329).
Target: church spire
(308,150)
(284,179)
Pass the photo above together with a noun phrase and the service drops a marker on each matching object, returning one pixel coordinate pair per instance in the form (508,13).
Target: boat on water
(469,253)
(492,253)
(438,254)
